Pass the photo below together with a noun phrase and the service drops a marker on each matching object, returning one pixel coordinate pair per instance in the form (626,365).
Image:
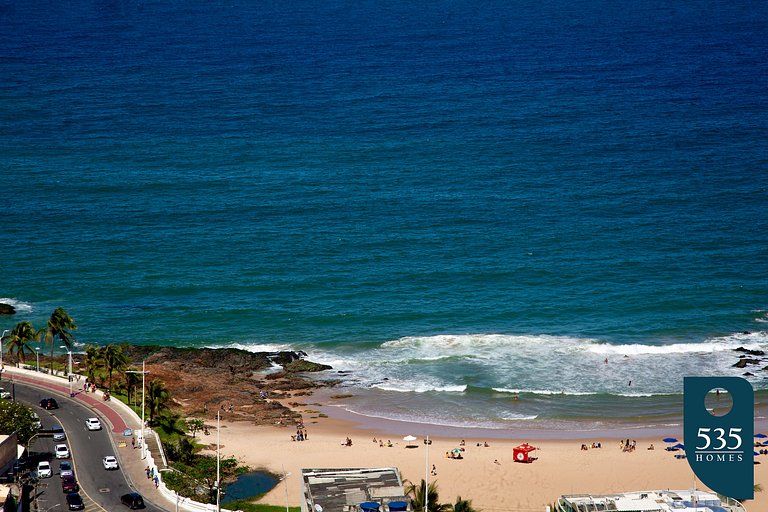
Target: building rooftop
(344,489)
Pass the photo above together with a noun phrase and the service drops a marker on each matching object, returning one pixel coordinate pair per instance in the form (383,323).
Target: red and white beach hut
(522,453)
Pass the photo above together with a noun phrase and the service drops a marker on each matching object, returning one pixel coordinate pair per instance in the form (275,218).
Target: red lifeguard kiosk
(522,453)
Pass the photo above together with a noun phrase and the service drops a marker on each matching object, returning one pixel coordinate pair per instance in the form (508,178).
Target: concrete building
(353,490)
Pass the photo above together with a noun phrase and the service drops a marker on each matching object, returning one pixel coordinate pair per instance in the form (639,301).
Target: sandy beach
(486,475)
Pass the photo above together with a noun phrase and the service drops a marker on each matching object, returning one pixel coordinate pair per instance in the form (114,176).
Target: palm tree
(464,506)
(114,359)
(416,493)
(18,340)
(92,361)
(59,326)
(157,398)
(132,380)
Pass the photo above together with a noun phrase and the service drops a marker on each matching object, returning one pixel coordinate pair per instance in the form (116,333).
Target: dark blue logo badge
(720,449)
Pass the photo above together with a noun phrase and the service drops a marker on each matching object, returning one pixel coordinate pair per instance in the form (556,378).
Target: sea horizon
(467,209)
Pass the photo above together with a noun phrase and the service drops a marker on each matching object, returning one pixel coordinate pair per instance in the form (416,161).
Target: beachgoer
(157,482)
(133,442)
(496,461)
(434,470)
(146,470)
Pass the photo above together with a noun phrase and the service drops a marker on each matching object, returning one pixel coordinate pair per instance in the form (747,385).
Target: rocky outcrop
(7,309)
(749,352)
(744,362)
(301,365)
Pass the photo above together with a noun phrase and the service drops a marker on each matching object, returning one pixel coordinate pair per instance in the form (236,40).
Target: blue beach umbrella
(761,435)
(756,454)
(679,446)
(669,440)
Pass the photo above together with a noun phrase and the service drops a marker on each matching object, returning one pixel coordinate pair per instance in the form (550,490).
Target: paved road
(100,489)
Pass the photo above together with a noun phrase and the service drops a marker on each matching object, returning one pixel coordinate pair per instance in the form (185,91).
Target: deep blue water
(422,184)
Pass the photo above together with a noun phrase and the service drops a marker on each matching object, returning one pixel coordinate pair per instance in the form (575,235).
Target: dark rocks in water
(750,352)
(230,360)
(7,309)
(748,374)
(744,362)
(302,365)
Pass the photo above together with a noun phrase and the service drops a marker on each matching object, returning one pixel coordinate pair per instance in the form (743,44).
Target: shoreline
(486,475)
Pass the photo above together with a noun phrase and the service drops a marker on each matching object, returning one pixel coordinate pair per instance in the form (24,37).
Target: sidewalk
(119,417)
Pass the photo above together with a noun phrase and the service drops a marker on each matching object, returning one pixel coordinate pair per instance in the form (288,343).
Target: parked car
(65,469)
(49,403)
(4,394)
(69,484)
(132,500)
(58,433)
(38,423)
(75,502)
(61,451)
(93,424)
(44,469)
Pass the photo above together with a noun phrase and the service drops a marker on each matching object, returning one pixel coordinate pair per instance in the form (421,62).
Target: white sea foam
(418,387)
(543,364)
(20,306)
(257,347)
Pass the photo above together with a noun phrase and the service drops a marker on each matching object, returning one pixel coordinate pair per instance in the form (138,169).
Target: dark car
(69,484)
(132,500)
(75,502)
(49,403)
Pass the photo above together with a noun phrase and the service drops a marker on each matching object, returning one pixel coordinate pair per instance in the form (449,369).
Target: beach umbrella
(456,450)
(409,439)
(679,446)
(669,440)
(756,454)
(761,436)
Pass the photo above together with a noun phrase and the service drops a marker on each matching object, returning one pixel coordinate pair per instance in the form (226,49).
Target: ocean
(466,207)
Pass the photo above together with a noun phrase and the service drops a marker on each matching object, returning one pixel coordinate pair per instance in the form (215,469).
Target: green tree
(463,506)
(195,425)
(92,361)
(416,494)
(15,417)
(158,397)
(59,326)
(18,340)
(132,381)
(114,359)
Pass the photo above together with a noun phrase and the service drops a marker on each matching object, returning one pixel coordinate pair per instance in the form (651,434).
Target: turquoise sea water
(456,202)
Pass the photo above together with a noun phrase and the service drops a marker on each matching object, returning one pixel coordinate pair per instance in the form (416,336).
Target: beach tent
(409,440)
(398,506)
(522,453)
(369,506)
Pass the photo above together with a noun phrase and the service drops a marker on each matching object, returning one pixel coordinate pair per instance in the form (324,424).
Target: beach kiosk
(522,453)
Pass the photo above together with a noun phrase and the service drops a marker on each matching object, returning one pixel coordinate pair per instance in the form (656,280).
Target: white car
(61,451)
(44,469)
(93,424)
(4,394)
(110,462)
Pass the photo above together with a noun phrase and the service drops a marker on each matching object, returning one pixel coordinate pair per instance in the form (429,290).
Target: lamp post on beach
(218,461)
(143,373)
(69,374)
(37,358)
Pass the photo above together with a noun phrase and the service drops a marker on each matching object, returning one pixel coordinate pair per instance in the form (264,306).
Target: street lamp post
(37,357)
(143,373)
(2,366)
(69,374)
